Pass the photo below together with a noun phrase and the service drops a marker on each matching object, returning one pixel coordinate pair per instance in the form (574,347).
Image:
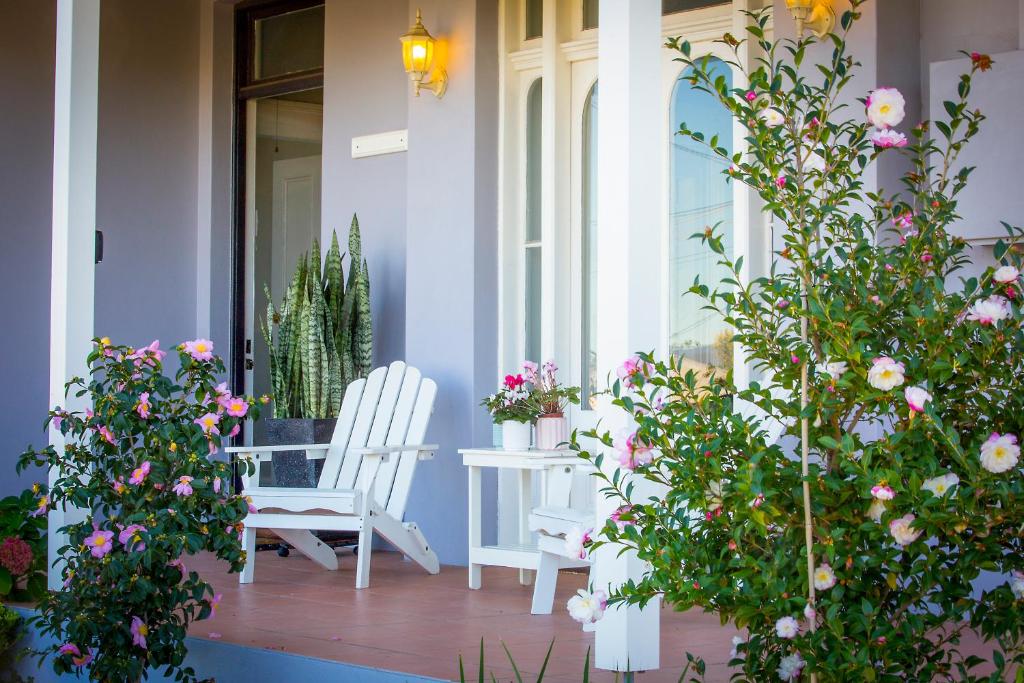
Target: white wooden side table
(523,555)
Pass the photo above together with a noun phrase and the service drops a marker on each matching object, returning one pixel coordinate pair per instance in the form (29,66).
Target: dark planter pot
(291,468)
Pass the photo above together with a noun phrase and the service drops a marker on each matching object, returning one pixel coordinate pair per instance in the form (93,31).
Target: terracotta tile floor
(412,622)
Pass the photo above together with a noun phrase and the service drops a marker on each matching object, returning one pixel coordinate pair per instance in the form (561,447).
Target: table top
(532,459)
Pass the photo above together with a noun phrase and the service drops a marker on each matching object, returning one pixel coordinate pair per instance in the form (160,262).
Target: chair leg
(249,546)
(544,584)
(365,551)
(309,545)
(407,538)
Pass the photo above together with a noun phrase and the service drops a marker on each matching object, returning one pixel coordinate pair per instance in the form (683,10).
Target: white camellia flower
(824,577)
(885,373)
(790,667)
(574,540)
(902,531)
(916,398)
(990,311)
(586,607)
(834,369)
(941,484)
(771,117)
(1006,274)
(885,108)
(813,161)
(736,642)
(1000,453)
(787,627)
(875,510)
(1017,584)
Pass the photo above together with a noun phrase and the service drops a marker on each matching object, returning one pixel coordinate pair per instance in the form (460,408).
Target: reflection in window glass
(699,196)
(589,249)
(288,43)
(590,13)
(673,6)
(532,228)
(534,18)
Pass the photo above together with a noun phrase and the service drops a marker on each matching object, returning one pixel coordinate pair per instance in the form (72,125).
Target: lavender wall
(27,53)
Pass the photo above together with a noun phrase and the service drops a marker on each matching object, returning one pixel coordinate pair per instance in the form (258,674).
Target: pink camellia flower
(119,486)
(782,305)
(632,369)
(1006,275)
(223,395)
(780,182)
(632,452)
(886,138)
(234,431)
(904,221)
(139,474)
(143,408)
(575,542)
(758,501)
(1000,452)
(139,632)
(237,406)
(209,423)
(151,354)
(184,486)
(179,564)
(916,397)
(42,506)
(751,96)
(902,530)
(926,257)
(619,513)
(77,658)
(787,627)
(990,311)
(883,492)
(130,538)
(216,484)
(99,543)
(885,108)
(107,435)
(200,349)
(215,605)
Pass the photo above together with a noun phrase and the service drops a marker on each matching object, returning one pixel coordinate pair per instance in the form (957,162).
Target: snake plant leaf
(363,351)
(355,254)
(335,277)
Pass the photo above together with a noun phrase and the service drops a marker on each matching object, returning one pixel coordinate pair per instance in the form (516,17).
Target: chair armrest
(423,451)
(314,451)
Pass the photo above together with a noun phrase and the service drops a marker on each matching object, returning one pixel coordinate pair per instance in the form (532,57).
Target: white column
(631,266)
(76,79)
(204,170)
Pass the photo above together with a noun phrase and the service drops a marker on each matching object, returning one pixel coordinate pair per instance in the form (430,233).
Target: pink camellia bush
(885,523)
(138,462)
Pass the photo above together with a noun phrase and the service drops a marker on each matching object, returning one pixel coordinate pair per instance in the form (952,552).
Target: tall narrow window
(590,13)
(699,196)
(588,244)
(532,226)
(534,19)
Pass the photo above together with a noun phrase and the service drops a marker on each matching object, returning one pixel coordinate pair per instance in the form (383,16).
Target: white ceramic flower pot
(515,436)
(552,430)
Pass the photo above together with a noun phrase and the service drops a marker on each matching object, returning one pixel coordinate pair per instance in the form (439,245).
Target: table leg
(525,504)
(475,533)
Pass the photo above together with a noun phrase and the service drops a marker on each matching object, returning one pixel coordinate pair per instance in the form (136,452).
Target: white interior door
(296,216)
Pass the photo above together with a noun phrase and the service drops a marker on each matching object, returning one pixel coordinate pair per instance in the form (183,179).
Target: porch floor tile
(412,622)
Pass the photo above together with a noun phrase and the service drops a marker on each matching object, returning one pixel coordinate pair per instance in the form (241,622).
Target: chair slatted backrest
(391,407)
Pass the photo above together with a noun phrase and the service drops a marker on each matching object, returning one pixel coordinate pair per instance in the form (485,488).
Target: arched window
(588,244)
(532,226)
(699,196)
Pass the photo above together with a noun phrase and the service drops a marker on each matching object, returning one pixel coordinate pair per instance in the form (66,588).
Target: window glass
(589,249)
(534,18)
(590,13)
(289,43)
(532,227)
(673,6)
(699,196)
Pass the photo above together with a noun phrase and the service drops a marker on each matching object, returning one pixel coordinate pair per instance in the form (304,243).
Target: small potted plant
(551,400)
(514,409)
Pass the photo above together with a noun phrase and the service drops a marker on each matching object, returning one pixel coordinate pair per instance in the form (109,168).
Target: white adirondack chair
(558,517)
(364,486)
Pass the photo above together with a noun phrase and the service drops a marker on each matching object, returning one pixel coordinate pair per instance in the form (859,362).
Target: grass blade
(540,676)
(515,669)
(586,666)
(482,660)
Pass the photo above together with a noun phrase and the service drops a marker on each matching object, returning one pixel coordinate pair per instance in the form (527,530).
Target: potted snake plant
(320,339)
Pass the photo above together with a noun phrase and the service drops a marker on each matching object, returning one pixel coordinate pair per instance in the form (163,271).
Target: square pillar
(632,311)
(76,81)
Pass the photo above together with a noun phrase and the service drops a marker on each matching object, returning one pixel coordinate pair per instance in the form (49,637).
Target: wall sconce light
(418,55)
(816,16)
